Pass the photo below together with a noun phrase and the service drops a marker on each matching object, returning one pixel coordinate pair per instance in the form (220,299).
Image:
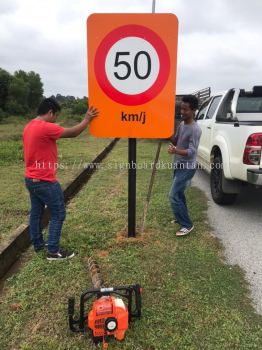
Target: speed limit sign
(132,74)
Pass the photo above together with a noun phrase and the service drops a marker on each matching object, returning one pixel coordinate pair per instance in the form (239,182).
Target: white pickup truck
(231,141)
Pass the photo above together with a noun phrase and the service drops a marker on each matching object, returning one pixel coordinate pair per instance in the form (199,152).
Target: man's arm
(77,129)
(173,139)
(192,147)
(173,150)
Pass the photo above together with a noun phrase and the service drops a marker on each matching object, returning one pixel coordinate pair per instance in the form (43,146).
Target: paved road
(239,227)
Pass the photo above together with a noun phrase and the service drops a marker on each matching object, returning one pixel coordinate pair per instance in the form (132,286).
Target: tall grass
(11,151)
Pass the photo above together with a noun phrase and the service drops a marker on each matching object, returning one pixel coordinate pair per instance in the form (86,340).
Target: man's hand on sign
(91,113)
(171,149)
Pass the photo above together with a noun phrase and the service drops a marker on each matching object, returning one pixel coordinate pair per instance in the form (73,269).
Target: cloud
(7,7)
(219,41)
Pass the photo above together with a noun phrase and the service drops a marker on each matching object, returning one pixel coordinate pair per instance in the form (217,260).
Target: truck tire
(216,188)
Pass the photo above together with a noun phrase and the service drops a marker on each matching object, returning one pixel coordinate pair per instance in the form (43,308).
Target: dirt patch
(102,253)
(122,238)
(15,307)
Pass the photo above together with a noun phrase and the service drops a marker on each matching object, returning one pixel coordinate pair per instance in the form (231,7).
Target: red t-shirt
(40,151)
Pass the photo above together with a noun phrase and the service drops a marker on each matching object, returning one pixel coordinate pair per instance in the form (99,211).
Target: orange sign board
(132,74)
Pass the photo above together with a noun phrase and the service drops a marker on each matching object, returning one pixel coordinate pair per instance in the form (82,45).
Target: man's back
(40,151)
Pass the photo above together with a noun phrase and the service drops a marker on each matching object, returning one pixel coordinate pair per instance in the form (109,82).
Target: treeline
(21,93)
(75,105)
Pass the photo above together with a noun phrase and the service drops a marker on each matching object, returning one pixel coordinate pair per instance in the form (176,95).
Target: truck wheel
(216,177)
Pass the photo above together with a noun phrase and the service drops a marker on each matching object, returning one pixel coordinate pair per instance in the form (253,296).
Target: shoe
(41,247)
(184,231)
(174,221)
(61,255)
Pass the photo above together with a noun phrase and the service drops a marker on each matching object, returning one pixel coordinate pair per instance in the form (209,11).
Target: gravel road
(239,227)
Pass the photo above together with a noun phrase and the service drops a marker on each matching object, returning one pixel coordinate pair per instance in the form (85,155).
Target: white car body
(226,126)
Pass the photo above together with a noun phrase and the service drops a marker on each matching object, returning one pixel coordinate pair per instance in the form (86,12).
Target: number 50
(128,67)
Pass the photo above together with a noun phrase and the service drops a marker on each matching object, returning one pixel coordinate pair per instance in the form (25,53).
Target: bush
(14,108)
(79,107)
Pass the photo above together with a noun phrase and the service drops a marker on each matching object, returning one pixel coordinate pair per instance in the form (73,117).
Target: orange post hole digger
(109,316)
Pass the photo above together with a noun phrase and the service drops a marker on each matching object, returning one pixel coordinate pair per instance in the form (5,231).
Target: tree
(34,82)
(22,92)
(36,90)
(79,106)
(18,93)
(5,78)
(65,101)
(60,99)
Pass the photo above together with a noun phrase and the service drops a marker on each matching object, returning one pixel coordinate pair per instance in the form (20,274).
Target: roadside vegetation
(192,300)
(21,93)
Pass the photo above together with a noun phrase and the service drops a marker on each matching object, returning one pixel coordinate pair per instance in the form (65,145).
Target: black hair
(191,100)
(48,104)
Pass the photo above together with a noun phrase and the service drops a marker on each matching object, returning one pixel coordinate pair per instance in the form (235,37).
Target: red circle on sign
(132,30)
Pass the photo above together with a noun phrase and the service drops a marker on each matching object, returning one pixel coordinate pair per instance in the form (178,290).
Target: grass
(192,300)
(14,199)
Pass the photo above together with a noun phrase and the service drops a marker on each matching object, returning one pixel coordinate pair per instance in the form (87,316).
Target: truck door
(200,120)
(207,127)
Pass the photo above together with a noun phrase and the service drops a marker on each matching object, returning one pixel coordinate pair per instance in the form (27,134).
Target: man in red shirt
(40,154)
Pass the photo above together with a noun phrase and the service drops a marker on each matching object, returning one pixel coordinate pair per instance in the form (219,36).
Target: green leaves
(20,93)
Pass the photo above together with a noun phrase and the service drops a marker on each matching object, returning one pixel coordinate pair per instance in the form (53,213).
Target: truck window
(224,111)
(249,104)
(202,111)
(213,107)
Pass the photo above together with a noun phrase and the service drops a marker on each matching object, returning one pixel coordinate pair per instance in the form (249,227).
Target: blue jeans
(45,193)
(177,197)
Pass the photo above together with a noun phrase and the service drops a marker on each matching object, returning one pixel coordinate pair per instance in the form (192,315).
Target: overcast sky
(220,41)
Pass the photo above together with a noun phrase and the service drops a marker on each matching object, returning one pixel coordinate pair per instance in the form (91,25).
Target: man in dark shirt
(184,147)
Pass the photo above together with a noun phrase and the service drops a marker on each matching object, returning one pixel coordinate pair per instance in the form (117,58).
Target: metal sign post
(154,6)
(131,187)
